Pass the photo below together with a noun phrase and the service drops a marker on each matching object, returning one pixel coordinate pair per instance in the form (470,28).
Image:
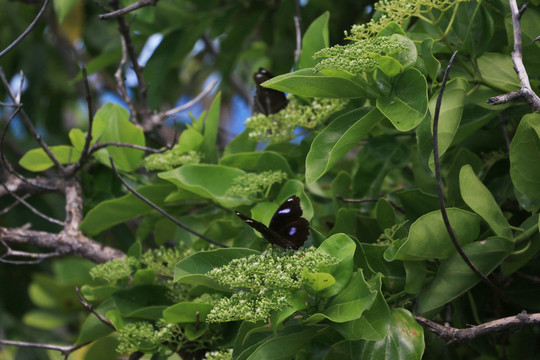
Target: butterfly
(287,227)
(267,101)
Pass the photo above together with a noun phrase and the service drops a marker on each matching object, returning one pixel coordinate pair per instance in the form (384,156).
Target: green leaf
(450,114)
(187,312)
(210,133)
(337,139)
(307,83)
(429,239)
(318,281)
(315,39)
(351,302)
(37,160)
(284,346)
(497,70)
(454,277)
(387,64)
(341,247)
(405,340)
(479,198)
(143,301)
(374,323)
(190,139)
(430,62)
(407,105)
(240,144)
(93,328)
(116,211)
(258,161)
(201,180)
(63,7)
(111,124)
(407,57)
(525,157)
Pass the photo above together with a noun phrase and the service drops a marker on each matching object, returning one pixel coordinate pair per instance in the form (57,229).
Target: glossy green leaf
(143,301)
(387,64)
(92,328)
(374,322)
(315,39)
(111,124)
(405,340)
(479,198)
(187,312)
(408,56)
(307,83)
(116,211)
(284,346)
(190,139)
(430,62)
(240,144)
(525,156)
(450,114)
(454,277)
(429,239)
(201,180)
(406,106)
(498,70)
(37,160)
(341,247)
(318,281)
(258,162)
(63,7)
(337,139)
(350,303)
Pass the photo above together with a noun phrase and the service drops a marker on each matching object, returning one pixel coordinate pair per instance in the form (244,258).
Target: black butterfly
(287,228)
(267,101)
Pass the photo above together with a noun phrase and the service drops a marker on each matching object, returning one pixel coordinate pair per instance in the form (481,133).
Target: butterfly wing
(267,101)
(289,224)
(267,233)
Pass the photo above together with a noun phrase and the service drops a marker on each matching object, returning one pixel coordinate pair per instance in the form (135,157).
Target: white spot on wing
(292,231)
(284,211)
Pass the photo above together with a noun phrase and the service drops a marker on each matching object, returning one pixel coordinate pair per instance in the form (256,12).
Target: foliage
(366,109)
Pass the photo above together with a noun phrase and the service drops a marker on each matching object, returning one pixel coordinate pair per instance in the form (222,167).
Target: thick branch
(460,335)
(64,243)
(526,93)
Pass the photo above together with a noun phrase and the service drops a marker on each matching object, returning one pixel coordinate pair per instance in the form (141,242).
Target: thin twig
(460,335)
(37,257)
(394,205)
(505,131)
(161,211)
(26,120)
(15,203)
(121,83)
(64,350)
(526,93)
(190,103)
(27,31)
(31,208)
(88,140)
(98,146)
(437,166)
(91,309)
(124,30)
(298,30)
(139,4)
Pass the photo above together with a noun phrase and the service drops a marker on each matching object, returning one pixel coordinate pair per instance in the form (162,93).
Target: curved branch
(460,335)
(139,4)
(27,31)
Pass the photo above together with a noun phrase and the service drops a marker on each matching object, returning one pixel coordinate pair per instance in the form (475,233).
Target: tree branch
(163,212)
(64,350)
(461,335)
(525,93)
(139,4)
(27,31)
